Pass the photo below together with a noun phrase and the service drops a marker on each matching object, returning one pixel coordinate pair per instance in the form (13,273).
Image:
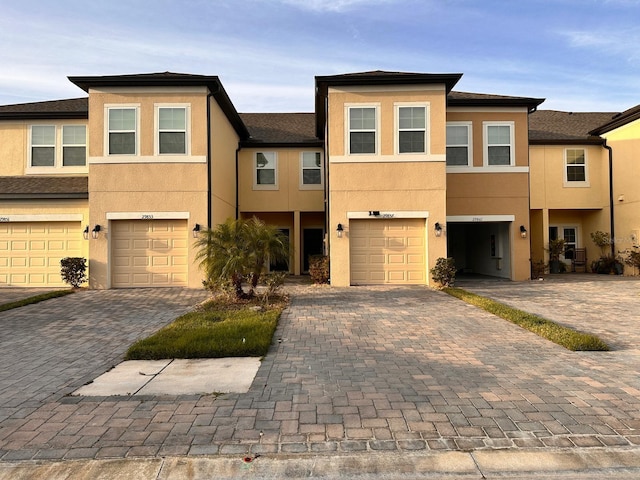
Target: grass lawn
(564,336)
(35,299)
(220,328)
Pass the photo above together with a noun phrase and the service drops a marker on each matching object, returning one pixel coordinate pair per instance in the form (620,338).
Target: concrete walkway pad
(175,377)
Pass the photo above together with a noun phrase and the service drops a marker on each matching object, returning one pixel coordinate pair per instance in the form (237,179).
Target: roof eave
(44,115)
(529,103)
(567,141)
(260,144)
(43,196)
(617,123)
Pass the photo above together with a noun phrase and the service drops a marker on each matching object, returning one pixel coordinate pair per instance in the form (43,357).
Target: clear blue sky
(581,55)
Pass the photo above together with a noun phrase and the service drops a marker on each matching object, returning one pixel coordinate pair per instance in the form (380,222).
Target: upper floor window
(265,171)
(575,165)
(311,170)
(122,130)
(43,146)
(412,129)
(74,145)
(57,147)
(498,144)
(172,130)
(458,144)
(362,130)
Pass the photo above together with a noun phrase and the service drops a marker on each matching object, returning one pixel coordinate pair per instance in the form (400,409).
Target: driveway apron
(351,370)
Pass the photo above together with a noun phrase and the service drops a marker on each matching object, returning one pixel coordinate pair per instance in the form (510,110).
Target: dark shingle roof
(552,126)
(286,129)
(43,187)
(618,120)
(69,108)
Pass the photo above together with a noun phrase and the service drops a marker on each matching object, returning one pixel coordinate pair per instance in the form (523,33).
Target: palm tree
(222,254)
(265,243)
(239,249)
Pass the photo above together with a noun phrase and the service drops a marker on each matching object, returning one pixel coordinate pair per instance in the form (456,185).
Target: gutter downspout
(611,218)
(237,184)
(326,177)
(209,168)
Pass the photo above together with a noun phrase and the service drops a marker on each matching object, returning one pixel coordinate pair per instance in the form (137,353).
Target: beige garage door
(387,251)
(148,253)
(30,252)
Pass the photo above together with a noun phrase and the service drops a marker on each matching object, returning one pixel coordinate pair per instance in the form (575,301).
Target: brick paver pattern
(351,369)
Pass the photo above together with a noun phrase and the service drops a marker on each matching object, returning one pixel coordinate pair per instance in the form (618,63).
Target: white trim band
(480,218)
(43,217)
(147,215)
(382,215)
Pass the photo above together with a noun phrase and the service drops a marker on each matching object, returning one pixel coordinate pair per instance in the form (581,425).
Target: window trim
(254,171)
(575,183)
(347,129)
(485,142)
(57,166)
(469,125)
(396,127)
(121,106)
(311,186)
(62,145)
(187,126)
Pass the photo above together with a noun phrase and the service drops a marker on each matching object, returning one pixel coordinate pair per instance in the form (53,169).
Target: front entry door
(312,244)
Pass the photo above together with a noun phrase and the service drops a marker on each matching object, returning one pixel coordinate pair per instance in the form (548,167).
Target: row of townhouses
(392,171)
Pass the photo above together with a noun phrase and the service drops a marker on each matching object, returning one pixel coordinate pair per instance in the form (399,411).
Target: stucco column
(545,233)
(297,243)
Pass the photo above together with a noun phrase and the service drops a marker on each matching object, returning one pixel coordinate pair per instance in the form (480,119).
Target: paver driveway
(360,369)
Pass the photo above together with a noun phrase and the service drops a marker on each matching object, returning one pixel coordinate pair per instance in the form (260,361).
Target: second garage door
(30,252)
(387,251)
(149,253)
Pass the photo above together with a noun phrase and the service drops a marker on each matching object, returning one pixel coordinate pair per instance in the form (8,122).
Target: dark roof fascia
(43,196)
(324,82)
(530,103)
(259,144)
(212,82)
(44,115)
(573,141)
(617,122)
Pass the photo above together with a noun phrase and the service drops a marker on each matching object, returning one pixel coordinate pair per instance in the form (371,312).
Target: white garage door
(387,251)
(30,252)
(149,253)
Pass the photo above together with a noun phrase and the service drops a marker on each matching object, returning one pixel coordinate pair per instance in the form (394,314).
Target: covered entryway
(480,247)
(149,253)
(387,251)
(30,252)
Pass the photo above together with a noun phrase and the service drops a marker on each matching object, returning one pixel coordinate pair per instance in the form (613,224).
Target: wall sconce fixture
(438,229)
(523,231)
(339,230)
(85,233)
(95,231)
(196,230)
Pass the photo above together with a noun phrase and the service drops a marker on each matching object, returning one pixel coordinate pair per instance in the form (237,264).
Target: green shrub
(73,270)
(319,268)
(444,273)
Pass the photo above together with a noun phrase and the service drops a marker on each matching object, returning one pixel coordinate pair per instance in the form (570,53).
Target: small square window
(575,165)
(311,170)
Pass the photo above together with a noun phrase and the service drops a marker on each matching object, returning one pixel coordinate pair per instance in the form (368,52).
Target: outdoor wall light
(196,230)
(85,232)
(95,231)
(523,231)
(339,230)
(438,229)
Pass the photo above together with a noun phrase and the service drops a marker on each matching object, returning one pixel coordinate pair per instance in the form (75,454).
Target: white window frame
(57,166)
(397,130)
(311,186)
(347,115)
(73,145)
(187,130)
(469,126)
(124,106)
(254,171)
(576,183)
(485,142)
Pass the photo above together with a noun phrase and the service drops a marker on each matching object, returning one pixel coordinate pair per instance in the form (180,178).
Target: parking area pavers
(366,369)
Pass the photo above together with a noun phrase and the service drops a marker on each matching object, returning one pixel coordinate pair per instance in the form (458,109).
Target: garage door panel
(31,252)
(149,253)
(393,251)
